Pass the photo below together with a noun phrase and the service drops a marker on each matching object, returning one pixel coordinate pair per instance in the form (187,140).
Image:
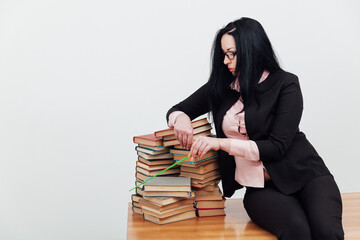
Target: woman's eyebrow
(230,48)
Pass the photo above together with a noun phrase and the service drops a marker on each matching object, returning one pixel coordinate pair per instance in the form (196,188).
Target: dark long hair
(254,55)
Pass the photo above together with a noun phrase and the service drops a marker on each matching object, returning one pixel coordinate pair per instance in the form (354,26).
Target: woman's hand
(204,144)
(183,130)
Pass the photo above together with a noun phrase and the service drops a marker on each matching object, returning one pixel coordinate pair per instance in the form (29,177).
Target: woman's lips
(231,69)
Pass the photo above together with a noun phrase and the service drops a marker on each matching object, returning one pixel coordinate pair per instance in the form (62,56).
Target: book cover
(201,176)
(208,167)
(152,167)
(155,157)
(176,142)
(210,212)
(170,131)
(154,162)
(173,170)
(167,213)
(178,217)
(148,139)
(195,131)
(168,184)
(150,151)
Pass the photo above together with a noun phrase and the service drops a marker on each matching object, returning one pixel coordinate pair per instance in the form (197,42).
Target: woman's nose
(226,60)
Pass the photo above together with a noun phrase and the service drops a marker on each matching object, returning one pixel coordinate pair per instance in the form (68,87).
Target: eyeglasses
(230,55)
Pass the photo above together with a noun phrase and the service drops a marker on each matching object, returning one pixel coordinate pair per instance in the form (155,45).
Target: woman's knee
(328,231)
(295,228)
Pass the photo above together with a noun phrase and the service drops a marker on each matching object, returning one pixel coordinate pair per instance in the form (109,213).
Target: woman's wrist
(224,144)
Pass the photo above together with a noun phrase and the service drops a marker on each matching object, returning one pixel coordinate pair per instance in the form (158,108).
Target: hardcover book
(179,217)
(170,131)
(148,139)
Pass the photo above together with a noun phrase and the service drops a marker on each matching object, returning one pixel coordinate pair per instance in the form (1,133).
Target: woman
(257,107)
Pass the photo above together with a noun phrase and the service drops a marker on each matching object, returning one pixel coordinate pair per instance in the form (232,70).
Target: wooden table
(235,225)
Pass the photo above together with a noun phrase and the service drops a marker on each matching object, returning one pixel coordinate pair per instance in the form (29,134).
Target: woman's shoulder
(286,77)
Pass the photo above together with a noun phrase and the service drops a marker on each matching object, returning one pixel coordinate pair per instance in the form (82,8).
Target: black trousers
(314,212)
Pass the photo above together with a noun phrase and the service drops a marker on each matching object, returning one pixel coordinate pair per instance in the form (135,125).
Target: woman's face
(229,48)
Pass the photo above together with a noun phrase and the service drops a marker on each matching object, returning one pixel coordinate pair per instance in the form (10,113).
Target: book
(200,186)
(152,167)
(159,207)
(170,131)
(207,155)
(195,131)
(168,194)
(210,212)
(148,139)
(168,184)
(197,163)
(141,176)
(201,176)
(153,148)
(209,204)
(150,151)
(206,195)
(163,201)
(155,162)
(173,170)
(175,218)
(208,167)
(137,210)
(205,181)
(135,197)
(209,188)
(167,213)
(176,142)
(155,157)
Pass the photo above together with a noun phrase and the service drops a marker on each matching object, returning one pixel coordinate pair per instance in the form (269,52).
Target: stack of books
(202,171)
(209,202)
(167,199)
(201,127)
(153,157)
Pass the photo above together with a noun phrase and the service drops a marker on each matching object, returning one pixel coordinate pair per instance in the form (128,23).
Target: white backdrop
(79,79)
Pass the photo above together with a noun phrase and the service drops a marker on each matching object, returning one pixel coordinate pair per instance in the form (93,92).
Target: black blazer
(273,123)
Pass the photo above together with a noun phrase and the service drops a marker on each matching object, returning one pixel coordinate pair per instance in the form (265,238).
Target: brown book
(179,217)
(151,173)
(136,197)
(137,210)
(152,167)
(195,131)
(148,139)
(163,201)
(156,161)
(203,181)
(206,204)
(168,194)
(168,184)
(199,186)
(209,188)
(207,155)
(201,176)
(208,167)
(170,131)
(155,157)
(151,151)
(198,163)
(141,177)
(210,212)
(158,148)
(206,195)
(136,204)
(176,142)
(167,213)
(158,207)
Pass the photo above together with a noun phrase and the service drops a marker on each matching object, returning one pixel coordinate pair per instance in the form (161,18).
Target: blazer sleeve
(195,105)
(285,124)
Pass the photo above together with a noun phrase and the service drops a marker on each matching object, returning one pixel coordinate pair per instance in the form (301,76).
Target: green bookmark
(160,172)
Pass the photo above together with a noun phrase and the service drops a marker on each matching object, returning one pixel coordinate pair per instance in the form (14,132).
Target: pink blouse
(249,169)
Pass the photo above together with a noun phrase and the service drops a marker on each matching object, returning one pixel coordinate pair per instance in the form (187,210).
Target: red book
(148,140)
(170,131)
